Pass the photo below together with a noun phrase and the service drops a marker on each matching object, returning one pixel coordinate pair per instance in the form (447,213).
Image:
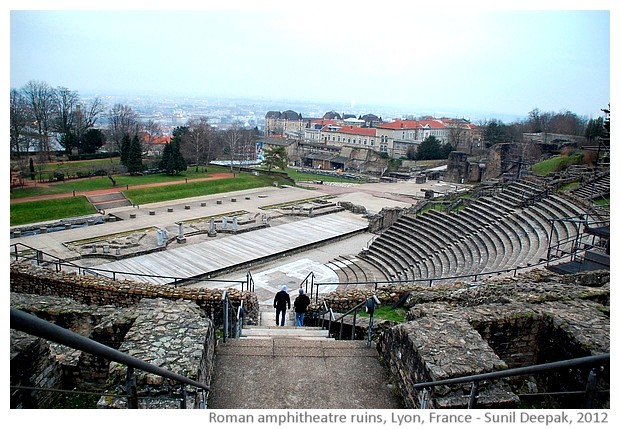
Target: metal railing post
(424,399)
(202,404)
(588,400)
(132,392)
(473,394)
(183,401)
(370,326)
(225,315)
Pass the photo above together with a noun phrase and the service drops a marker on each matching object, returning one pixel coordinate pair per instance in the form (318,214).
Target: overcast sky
(466,59)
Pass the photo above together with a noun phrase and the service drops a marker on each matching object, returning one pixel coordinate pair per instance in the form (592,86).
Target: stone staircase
(288,367)
(109,201)
(268,329)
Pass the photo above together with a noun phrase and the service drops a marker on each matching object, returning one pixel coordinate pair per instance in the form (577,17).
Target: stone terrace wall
(105,324)
(173,335)
(538,317)
(169,327)
(28,278)
(33,365)
(436,348)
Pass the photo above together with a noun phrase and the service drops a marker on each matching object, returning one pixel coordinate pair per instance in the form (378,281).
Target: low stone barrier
(28,278)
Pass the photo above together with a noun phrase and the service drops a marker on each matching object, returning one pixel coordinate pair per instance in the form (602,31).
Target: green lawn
(123,181)
(556,163)
(387,313)
(54,208)
(58,208)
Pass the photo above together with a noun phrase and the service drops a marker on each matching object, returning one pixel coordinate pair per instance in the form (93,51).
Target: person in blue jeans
(281,301)
(301,305)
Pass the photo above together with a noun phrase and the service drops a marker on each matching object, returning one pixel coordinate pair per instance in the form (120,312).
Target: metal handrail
(230,319)
(353,310)
(59,262)
(513,372)
(240,317)
(33,325)
(249,281)
(310,291)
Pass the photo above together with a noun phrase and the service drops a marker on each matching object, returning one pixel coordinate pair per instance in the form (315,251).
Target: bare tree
(88,115)
(41,100)
(123,121)
(19,123)
(197,142)
(233,138)
(64,123)
(152,130)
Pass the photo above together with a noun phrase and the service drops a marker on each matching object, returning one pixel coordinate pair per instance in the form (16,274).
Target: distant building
(350,135)
(396,137)
(283,123)
(393,138)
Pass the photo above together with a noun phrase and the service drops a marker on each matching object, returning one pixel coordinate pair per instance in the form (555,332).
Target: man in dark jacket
(301,305)
(281,301)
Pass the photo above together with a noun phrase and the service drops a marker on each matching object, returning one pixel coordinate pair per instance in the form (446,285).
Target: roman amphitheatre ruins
(496,276)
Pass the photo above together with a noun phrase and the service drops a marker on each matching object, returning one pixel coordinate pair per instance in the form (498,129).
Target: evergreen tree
(124,149)
(172,162)
(430,148)
(131,154)
(134,162)
(92,141)
(446,149)
(594,129)
(275,157)
(496,132)
(31,166)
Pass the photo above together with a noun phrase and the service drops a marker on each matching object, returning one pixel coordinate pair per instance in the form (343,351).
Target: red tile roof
(348,129)
(324,121)
(411,125)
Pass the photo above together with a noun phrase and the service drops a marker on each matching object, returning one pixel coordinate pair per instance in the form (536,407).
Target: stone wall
(33,365)
(384,219)
(535,318)
(105,324)
(458,167)
(174,335)
(28,278)
(170,327)
(435,348)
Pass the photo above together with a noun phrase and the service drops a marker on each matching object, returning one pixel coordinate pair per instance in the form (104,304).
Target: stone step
(113,196)
(284,331)
(268,318)
(294,346)
(112,204)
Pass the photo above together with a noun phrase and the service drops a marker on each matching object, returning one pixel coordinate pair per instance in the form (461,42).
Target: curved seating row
(491,234)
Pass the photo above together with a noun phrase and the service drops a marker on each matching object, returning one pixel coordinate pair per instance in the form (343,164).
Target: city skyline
(474,61)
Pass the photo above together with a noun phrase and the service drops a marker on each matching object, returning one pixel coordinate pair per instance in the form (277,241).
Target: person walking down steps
(301,305)
(282,303)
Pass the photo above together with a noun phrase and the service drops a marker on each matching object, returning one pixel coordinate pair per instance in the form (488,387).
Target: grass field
(59,208)
(556,163)
(123,181)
